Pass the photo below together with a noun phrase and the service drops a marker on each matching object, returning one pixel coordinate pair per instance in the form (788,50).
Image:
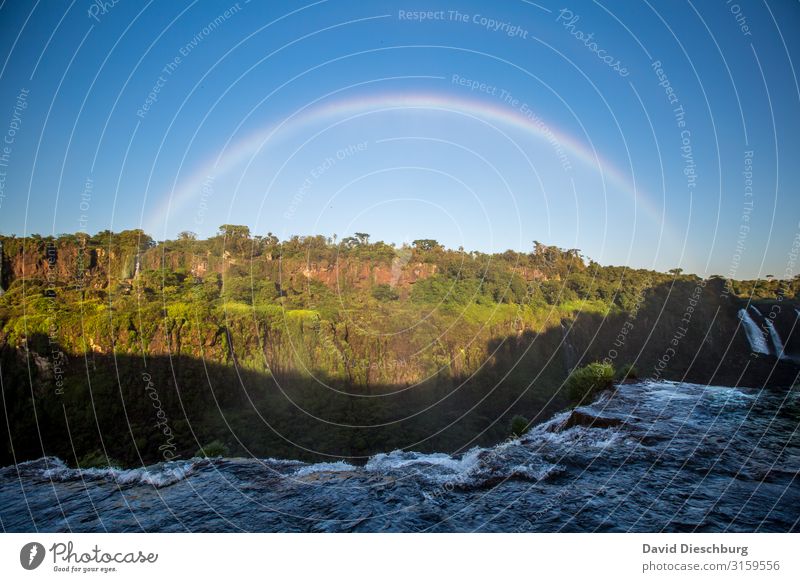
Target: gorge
(116,349)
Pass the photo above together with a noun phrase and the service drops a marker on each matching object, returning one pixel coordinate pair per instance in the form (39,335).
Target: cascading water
(758,343)
(777,344)
(652,456)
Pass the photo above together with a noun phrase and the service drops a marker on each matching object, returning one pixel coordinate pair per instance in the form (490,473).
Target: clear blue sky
(487,129)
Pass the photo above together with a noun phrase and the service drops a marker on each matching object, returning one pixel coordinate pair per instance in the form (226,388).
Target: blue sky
(486,129)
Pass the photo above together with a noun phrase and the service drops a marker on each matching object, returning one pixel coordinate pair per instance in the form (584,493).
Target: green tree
(234,231)
(426,244)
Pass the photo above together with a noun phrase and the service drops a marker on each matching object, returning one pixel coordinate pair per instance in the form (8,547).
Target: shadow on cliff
(82,407)
(691,332)
(134,410)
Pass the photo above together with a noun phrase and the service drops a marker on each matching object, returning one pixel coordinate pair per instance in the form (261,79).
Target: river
(661,457)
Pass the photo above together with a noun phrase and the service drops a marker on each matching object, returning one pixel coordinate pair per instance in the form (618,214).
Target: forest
(116,348)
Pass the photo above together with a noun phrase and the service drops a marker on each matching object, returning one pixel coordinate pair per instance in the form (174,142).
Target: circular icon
(31,555)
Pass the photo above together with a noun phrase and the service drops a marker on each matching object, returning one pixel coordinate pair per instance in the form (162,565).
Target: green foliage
(627,372)
(359,239)
(213,449)
(237,286)
(246,325)
(583,383)
(385,292)
(555,292)
(763,289)
(519,425)
(97,459)
(234,231)
(426,244)
(160,282)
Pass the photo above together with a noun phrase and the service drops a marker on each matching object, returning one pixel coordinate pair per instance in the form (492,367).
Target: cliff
(306,348)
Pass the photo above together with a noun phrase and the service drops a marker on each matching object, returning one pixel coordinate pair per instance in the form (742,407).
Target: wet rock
(588,419)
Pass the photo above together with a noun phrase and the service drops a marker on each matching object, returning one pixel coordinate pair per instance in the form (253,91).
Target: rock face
(530,274)
(685,333)
(97,267)
(681,331)
(207,344)
(360,275)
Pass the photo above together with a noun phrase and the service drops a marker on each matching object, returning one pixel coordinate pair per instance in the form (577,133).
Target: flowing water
(777,344)
(660,457)
(758,343)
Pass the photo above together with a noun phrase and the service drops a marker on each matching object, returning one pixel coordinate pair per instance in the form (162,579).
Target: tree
(187,235)
(363,238)
(234,231)
(426,244)
(134,239)
(555,292)
(349,242)
(582,285)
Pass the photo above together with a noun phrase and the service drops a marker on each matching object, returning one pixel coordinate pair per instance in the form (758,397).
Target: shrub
(212,449)
(583,383)
(627,372)
(385,293)
(519,425)
(97,459)
(555,292)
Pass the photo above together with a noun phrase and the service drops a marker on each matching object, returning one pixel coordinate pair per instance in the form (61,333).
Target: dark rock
(585,418)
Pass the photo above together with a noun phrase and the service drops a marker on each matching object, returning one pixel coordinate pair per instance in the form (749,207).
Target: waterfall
(758,343)
(777,344)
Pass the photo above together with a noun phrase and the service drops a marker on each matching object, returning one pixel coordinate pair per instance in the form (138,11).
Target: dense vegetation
(317,346)
(583,383)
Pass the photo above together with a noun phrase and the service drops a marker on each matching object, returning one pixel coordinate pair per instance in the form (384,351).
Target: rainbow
(322,110)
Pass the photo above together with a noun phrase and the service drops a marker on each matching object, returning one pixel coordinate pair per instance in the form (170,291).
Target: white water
(161,475)
(758,343)
(400,459)
(334,467)
(549,480)
(777,344)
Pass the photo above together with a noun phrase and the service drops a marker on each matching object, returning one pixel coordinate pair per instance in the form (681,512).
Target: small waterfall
(758,343)
(777,344)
